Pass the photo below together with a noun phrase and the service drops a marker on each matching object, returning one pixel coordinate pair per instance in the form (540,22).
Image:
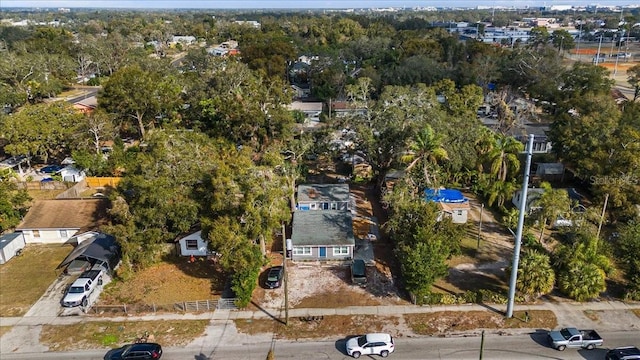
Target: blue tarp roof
(444,195)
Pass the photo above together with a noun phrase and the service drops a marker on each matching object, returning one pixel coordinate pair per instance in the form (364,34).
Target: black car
(274,277)
(141,351)
(623,353)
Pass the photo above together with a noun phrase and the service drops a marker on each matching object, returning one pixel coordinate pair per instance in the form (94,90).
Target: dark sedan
(141,351)
(274,277)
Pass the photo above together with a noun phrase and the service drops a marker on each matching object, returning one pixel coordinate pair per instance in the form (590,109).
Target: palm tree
(535,275)
(582,281)
(426,146)
(499,191)
(551,203)
(503,156)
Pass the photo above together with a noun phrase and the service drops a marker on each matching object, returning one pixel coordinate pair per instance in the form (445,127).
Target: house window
(63,234)
(191,244)
(459,212)
(334,206)
(325,206)
(301,251)
(36,233)
(314,206)
(340,250)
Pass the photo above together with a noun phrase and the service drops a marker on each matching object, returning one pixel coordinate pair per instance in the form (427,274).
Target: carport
(96,247)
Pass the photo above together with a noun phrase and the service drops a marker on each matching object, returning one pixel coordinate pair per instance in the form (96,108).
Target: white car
(370,344)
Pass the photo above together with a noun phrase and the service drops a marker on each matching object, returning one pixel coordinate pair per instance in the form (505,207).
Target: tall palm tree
(425,147)
(499,191)
(503,156)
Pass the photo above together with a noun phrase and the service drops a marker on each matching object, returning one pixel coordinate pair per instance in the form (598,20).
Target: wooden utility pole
(604,209)
(285,276)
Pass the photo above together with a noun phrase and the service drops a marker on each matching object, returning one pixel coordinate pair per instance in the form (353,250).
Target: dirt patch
(174,280)
(323,286)
(26,278)
(44,194)
(486,250)
(448,322)
(92,335)
(326,327)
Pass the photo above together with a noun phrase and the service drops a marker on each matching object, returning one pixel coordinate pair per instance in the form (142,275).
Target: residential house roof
(84,214)
(451,207)
(323,192)
(320,228)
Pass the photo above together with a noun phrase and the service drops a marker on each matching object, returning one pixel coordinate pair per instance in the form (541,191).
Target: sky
(298,4)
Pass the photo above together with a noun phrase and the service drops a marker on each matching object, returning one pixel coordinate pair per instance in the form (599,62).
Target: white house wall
(9,250)
(203,246)
(48,236)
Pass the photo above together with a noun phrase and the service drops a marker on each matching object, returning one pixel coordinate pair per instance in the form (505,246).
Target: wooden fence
(94,182)
(39,185)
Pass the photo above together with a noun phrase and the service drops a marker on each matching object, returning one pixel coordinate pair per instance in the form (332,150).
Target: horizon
(303,4)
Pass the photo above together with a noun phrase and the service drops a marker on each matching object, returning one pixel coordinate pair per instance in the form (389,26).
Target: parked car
(623,353)
(80,290)
(574,338)
(78,266)
(142,351)
(51,169)
(274,277)
(370,344)
(359,272)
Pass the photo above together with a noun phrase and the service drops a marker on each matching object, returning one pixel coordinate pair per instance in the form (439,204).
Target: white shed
(10,245)
(194,244)
(72,174)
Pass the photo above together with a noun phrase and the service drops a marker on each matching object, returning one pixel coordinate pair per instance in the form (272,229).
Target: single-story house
(193,244)
(10,245)
(452,203)
(57,221)
(322,235)
(323,197)
(311,110)
(95,247)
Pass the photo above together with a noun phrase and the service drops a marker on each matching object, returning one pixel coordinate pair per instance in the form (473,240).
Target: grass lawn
(173,280)
(24,279)
(44,194)
(329,326)
(107,334)
(4,330)
(454,321)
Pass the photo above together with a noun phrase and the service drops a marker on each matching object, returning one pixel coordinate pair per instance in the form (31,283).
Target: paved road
(525,346)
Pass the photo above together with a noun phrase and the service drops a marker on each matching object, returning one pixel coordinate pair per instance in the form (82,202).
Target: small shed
(10,245)
(452,203)
(72,174)
(194,244)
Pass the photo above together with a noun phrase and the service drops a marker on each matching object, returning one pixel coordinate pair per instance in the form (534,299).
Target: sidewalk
(604,316)
(561,310)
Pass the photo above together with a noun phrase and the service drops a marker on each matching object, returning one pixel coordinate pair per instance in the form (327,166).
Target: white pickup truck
(78,293)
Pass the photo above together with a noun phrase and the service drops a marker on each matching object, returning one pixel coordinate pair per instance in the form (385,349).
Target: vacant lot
(173,280)
(26,278)
(92,335)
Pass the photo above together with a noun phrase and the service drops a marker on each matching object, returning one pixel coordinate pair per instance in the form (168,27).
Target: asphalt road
(496,347)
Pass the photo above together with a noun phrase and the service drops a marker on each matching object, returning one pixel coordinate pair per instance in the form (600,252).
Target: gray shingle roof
(323,192)
(322,227)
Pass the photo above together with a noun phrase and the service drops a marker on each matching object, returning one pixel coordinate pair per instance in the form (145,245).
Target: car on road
(370,344)
(140,351)
(623,353)
(274,277)
(574,338)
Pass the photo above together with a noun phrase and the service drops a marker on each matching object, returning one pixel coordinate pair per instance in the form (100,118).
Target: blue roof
(444,195)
